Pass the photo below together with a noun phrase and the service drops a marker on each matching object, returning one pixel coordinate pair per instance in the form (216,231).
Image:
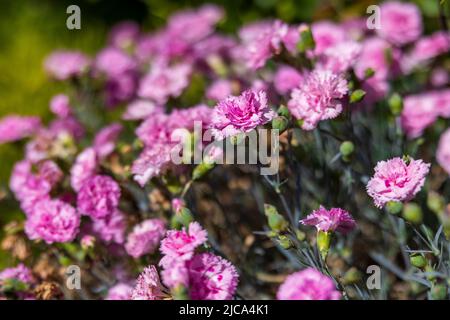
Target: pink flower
(179,245)
(148,286)
(151,162)
(287,78)
(120,291)
(111,228)
(178,204)
(84,168)
(241,114)
(145,237)
(60,106)
(211,278)
(67,126)
(443,151)
(63,65)
(105,140)
(397,180)
(308,284)
(341,57)
(20,273)
(327,35)
(317,98)
(164,81)
(114,62)
(13,127)
(401,23)
(98,197)
(219,89)
(120,88)
(141,109)
(124,34)
(52,221)
(175,273)
(335,219)
(431,46)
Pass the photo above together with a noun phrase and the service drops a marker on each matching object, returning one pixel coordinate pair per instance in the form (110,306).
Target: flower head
(317,98)
(148,286)
(84,168)
(397,180)
(111,228)
(105,140)
(52,221)
(443,151)
(60,106)
(13,127)
(145,237)
(63,65)
(120,291)
(20,273)
(151,162)
(98,197)
(308,284)
(241,114)
(335,219)
(287,78)
(211,278)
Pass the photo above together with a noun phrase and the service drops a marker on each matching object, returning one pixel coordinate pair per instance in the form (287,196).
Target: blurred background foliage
(31,29)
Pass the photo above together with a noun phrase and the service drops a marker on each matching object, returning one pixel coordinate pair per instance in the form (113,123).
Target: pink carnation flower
(401,23)
(151,162)
(148,286)
(397,180)
(326,35)
(13,128)
(52,221)
(145,237)
(63,65)
(20,273)
(114,62)
(84,168)
(98,197)
(105,140)
(443,151)
(431,46)
(111,228)
(211,278)
(141,109)
(335,219)
(241,114)
(120,291)
(341,57)
(308,284)
(179,245)
(219,90)
(317,98)
(60,106)
(175,273)
(124,34)
(286,78)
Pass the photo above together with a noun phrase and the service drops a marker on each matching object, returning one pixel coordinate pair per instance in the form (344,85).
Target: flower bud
(275,220)
(412,213)
(300,235)
(306,41)
(184,216)
(285,242)
(418,261)
(369,73)
(202,169)
(395,103)
(284,111)
(438,292)
(357,96)
(394,207)
(323,243)
(280,123)
(352,275)
(435,202)
(346,149)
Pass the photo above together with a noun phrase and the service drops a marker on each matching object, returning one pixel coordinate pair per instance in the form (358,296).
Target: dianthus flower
(397,180)
(151,162)
(20,273)
(13,127)
(308,284)
(145,237)
(120,291)
(111,228)
(148,286)
(105,140)
(63,65)
(84,168)
(287,78)
(335,219)
(443,151)
(60,106)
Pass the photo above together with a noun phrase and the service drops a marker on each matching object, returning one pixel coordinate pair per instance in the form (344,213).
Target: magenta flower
(308,284)
(63,65)
(151,162)
(443,151)
(179,245)
(241,114)
(52,221)
(327,35)
(85,167)
(114,62)
(124,34)
(111,228)
(211,278)
(317,98)
(148,286)
(287,78)
(175,274)
(335,219)
(141,109)
(60,106)
(105,140)
(98,197)
(120,291)
(397,180)
(401,23)
(341,57)
(431,46)
(13,127)
(145,237)
(20,273)
(219,90)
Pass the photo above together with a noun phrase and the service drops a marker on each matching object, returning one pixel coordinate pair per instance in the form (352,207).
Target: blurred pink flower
(431,46)
(145,237)
(141,109)
(443,151)
(114,62)
(317,98)
(14,127)
(335,219)
(308,284)
(397,180)
(327,35)
(120,291)
(124,34)
(151,162)
(21,273)
(219,90)
(287,78)
(105,140)
(85,167)
(63,65)
(111,228)
(60,106)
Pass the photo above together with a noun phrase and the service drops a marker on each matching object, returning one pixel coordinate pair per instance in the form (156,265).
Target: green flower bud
(439,292)
(394,207)
(435,202)
(418,261)
(285,242)
(280,123)
(369,73)
(306,41)
(395,103)
(275,220)
(352,275)
(347,148)
(323,243)
(284,111)
(412,213)
(357,96)
(184,216)
(202,169)
(300,235)
(180,293)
